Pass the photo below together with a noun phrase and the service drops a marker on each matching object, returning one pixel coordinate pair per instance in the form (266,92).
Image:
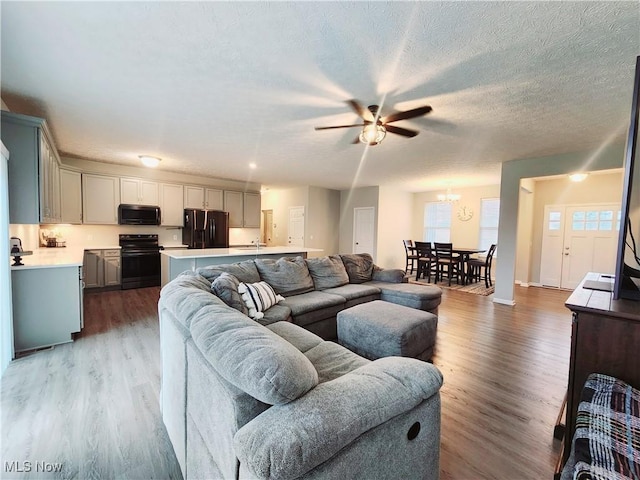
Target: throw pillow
(327,272)
(258,297)
(244,271)
(359,267)
(225,287)
(288,276)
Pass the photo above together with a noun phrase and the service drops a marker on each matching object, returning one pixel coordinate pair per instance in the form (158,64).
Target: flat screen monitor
(627,275)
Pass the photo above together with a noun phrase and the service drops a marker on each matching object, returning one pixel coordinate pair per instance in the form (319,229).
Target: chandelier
(448,197)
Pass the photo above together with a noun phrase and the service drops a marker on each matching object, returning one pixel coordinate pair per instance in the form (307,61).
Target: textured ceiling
(212,87)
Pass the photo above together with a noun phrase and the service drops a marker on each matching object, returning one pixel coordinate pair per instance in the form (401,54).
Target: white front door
(578,239)
(296,226)
(363,229)
(590,242)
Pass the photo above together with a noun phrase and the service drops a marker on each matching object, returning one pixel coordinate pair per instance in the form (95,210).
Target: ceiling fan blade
(414,112)
(405,132)
(341,126)
(359,109)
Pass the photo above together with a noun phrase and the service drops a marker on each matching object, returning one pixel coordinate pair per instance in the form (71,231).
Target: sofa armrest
(390,275)
(288,440)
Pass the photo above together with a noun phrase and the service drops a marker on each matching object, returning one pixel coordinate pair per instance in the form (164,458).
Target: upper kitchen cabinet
(135,191)
(171,205)
(202,197)
(100,199)
(34,170)
(252,210)
(243,208)
(71,196)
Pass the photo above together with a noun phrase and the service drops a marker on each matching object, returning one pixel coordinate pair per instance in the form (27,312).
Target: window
(489,216)
(437,222)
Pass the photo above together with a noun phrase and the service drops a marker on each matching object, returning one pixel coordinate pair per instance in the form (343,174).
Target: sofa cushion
(244,271)
(277,313)
(421,297)
(226,288)
(288,276)
(327,272)
(258,297)
(354,291)
(250,356)
(359,267)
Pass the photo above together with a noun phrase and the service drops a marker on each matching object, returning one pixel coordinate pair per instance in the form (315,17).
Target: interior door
(267,228)
(296,226)
(363,229)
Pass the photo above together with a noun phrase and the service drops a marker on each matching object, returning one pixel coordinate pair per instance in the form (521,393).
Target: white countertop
(235,252)
(52,257)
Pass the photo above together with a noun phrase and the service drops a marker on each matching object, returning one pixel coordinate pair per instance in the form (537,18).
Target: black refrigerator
(205,228)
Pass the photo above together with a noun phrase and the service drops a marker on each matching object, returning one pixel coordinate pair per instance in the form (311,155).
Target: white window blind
(437,222)
(489,219)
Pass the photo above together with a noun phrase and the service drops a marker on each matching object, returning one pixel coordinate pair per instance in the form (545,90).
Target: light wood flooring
(92,405)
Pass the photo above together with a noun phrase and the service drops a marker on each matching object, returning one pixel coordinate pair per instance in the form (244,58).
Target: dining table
(465,253)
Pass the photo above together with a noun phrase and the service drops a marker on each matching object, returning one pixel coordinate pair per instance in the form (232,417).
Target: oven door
(140,268)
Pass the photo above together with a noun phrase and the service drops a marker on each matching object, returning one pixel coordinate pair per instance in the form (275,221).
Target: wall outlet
(175,237)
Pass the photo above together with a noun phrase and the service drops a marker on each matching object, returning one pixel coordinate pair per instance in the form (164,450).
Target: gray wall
(322,228)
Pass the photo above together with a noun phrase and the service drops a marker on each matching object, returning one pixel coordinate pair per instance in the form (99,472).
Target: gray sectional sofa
(268,399)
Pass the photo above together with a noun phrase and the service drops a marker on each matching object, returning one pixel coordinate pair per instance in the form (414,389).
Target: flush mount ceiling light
(578,177)
(448,197)
(148,161)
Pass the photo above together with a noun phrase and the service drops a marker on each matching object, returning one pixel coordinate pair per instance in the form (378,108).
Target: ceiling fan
(375,128)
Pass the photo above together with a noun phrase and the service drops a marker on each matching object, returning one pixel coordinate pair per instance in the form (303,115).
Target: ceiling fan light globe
(373,134)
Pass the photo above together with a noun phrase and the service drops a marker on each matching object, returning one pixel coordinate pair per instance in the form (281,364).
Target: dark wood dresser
(605,338)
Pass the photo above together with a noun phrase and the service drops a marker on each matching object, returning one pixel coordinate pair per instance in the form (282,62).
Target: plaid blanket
(607,436)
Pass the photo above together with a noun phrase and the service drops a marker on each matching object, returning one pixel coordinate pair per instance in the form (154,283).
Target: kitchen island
(47,298)
(174,262)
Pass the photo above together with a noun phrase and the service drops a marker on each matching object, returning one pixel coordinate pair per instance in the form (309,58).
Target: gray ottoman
(381,329)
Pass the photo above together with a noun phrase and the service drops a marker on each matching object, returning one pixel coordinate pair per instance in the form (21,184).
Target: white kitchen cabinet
(193,197)
(48,315)
(102,268)
(70,196)
(136,191)
(233,203)
(203,197)
(171,205)
(213,199)
(100,199)
(251,210)
(243,208)
(34,177)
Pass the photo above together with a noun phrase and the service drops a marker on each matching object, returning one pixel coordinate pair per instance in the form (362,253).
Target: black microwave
(138,215)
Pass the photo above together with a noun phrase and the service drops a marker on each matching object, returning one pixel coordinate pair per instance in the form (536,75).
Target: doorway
(363,230)
(267,228)
(578,239)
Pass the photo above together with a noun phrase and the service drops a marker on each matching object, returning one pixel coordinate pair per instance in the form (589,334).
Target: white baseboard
(522,284)
(503,301)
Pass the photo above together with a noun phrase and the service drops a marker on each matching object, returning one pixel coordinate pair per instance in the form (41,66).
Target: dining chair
(426,260)
(476,265)
(447,262)
(412,257)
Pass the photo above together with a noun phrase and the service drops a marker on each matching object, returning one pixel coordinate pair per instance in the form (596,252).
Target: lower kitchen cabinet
(47,306)
(102,268)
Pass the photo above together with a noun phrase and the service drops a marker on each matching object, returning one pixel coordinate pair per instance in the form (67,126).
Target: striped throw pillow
(258,297)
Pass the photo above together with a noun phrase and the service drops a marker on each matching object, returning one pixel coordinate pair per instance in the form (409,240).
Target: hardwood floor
(92,405)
